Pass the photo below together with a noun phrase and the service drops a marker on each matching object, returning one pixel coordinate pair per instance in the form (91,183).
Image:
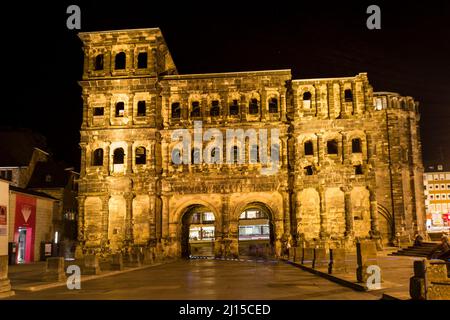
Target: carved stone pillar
(320,148)
(129,217)
(345,149)
(283,107)
(83,159)
(165,156)
(81,218)
(323,214)
(107,158)
(348,210)
(225,215)
(287,212)
(165,216)
(105,218)
(130,157)
(297,234)
(374,226)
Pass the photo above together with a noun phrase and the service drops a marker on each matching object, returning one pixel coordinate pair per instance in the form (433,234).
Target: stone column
(298,218)
(83,160)
(374,226)
(320,149)
(283,107)
(129,217)
(81,214)
(165,216)
(345,149)
(130,157)
(323,214)
(287,212)
(348,210)
(107,158)
(165,156)
(105,219)
(152,216)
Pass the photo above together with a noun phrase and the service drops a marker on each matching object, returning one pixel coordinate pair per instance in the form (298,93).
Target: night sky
(409,55)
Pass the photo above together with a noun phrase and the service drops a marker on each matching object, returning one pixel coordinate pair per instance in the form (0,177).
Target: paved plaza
(208,279)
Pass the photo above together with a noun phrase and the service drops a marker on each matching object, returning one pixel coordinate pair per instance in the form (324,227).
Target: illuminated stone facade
(350,165)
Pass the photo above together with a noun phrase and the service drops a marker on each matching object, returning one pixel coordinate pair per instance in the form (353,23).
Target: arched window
(196,112)
(141,109)
(234,108)
(120,61)
(309,148)
(235,154)
(142,60)
(309,170)
(215,155)
(356,146)
(195,156)
(348,95)
(119,156)
(253,107)
(141,155)
(97,157)
(403,105)
(215,109)
(176,156)
(332,147)
(254,154)
(120,109)
(307,100)
(99,62)
(176,110)
(273,105)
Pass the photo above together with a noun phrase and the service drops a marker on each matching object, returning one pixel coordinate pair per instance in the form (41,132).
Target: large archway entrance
(198,232)
(256,232)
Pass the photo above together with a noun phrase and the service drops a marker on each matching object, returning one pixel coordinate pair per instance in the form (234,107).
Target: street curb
(40,287)
(346,283)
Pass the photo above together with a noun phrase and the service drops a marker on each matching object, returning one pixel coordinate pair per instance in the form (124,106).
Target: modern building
(308,162)
(43,204)
(437,197)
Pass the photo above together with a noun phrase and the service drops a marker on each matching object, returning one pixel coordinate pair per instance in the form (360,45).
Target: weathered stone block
(117,262)
(91,264)
(430,281)
(148,256)
(320,258)
(337,261)
(308,256)
(366,254)
(298,254)
(291,254)
(5,285)
(134,260)
(54,269)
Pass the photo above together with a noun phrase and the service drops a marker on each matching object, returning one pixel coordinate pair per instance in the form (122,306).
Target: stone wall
(359,176)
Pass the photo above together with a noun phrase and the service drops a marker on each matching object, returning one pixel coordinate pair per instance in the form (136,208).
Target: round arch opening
(256,232)
(198,232)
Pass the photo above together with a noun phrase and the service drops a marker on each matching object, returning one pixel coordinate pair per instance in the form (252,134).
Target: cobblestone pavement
(208,279)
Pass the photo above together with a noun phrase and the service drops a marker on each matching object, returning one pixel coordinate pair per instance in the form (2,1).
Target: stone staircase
(423,251)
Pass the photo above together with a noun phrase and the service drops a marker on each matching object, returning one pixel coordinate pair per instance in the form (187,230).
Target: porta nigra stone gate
(350,164)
